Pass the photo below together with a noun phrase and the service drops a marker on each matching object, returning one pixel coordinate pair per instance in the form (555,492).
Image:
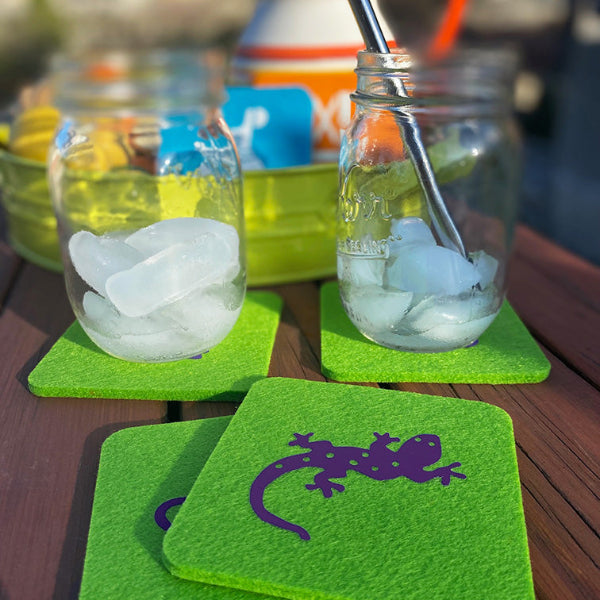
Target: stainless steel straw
(438,211)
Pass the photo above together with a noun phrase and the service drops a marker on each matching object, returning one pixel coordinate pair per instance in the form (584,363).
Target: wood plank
(579,277)
(562,570)
(293,355)
(49,449)
(432,389)
(10,264)
(205,410)
(302,299)
(557,305)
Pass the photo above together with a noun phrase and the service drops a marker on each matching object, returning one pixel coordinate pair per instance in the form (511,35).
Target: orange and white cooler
(310,44)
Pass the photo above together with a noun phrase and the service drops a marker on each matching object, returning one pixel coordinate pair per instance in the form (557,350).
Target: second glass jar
(399,284)
(146,186)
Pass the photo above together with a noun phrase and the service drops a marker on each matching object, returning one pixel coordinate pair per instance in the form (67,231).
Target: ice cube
(170,274)
(101,316)
(207,314)
(486,266)
(439,338)
(460,334)
(97,258)
(435,312)
(360,271)
(426,269)
(439,323)
(183,329)
(161,346)
(374,309)
(229,294)
(154,238)
(411,230)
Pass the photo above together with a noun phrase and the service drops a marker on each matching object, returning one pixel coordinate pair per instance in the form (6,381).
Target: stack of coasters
(351,493)
(142,469)
(76,367)
(506,353)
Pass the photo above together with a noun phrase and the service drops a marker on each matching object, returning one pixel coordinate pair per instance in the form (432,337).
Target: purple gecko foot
(385,438)
(301,440)
(326,487)
(446,473)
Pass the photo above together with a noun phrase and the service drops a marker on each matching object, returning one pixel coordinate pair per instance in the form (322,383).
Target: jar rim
(118,80)
(471,77)
(497,62)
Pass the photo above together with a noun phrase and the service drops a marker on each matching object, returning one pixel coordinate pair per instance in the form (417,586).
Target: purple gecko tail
(160,515)
(257,492)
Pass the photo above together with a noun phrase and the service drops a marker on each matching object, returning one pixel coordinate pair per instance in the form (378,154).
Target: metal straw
(440,217)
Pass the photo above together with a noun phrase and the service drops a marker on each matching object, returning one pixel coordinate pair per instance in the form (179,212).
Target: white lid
(304,24)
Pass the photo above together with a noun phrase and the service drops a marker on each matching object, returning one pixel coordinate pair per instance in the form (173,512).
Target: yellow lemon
(32,132)
(101,151)
(4,135)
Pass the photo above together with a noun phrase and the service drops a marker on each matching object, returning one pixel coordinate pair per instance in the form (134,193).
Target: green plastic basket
(290,219)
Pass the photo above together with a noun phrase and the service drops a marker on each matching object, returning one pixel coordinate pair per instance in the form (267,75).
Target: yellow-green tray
(290,219)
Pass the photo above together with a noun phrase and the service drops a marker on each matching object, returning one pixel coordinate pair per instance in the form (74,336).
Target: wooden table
(49,448)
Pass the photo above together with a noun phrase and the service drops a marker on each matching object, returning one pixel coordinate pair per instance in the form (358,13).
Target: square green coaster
(505,353)
(380,494)
(76,367)
(141,470)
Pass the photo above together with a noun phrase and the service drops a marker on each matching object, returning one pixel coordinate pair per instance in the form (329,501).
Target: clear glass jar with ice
(146,186)
(401,284)
(171,290)
(420,296)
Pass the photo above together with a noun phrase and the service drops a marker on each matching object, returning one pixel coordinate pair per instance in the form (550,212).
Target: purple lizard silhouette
(377,462)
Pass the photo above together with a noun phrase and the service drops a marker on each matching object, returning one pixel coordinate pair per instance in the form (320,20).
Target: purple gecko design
(160,514)
(377,462)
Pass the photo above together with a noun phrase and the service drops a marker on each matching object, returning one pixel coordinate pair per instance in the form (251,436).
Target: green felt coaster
(141,469)
(505,353)
(76,367)
(437,515)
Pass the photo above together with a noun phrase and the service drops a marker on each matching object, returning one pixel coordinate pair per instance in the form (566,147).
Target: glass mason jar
(401,283)
(146,186)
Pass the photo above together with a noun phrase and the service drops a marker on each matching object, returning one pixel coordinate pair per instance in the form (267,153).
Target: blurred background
(557,93)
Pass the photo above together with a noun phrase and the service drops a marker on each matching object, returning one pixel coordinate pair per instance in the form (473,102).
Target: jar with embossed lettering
(146,186)
(402,284)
